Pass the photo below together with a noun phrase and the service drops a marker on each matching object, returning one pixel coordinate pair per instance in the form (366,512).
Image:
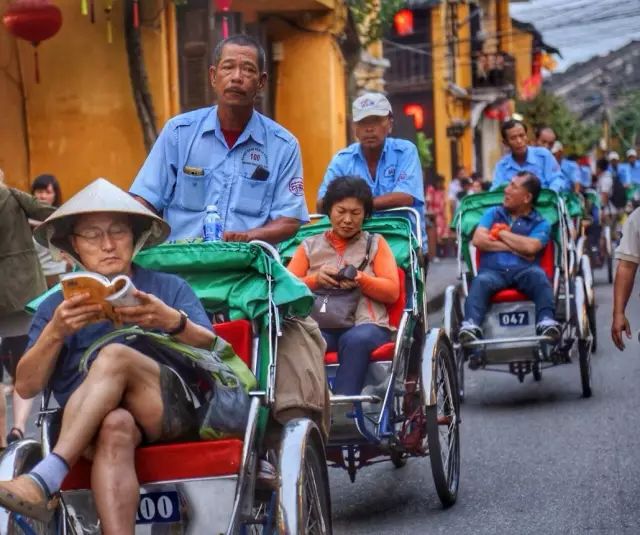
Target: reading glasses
(96,235)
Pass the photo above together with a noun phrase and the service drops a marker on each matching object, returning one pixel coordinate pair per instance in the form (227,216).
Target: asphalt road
(536,458)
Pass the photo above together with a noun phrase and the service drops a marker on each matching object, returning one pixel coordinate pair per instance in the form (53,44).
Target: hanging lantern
(224,6)
(33,21)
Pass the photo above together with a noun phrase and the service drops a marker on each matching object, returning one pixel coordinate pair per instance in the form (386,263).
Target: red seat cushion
(166,462)
(384,352)
(238,334)
(508,296)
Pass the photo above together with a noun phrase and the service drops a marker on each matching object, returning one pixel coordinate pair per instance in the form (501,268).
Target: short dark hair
(531,184)
(542,128)
(509,124)
(43,182)
(602,164)
(241,40)
(345,187)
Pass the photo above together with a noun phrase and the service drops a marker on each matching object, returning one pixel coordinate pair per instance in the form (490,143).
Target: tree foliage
(374,17)
(626,121)
(550,110)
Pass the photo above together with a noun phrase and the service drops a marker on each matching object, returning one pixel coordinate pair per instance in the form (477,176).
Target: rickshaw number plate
(158,507)
(514,319)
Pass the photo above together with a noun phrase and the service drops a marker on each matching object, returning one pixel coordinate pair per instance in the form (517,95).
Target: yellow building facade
(80,122)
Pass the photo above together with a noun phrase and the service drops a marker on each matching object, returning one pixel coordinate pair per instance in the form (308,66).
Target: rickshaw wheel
(584,353)
(536,370)
(316,516)
(442,426)
(591,316)
(609,269)
(398,459)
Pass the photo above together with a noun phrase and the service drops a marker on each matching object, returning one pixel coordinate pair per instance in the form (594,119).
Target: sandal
(14,435)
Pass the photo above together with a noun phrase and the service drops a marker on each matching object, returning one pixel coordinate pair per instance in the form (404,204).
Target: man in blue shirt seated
(390,166)
(229,156)
(127,396)
(523,157)
(511,238)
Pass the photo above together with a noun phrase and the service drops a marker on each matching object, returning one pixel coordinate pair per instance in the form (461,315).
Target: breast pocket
(192,192)
(250,196)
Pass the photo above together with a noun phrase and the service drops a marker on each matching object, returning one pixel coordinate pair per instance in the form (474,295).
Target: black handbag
(335,308)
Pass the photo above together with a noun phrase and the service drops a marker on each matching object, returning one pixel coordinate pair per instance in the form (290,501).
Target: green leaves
(373,17)
(549,110)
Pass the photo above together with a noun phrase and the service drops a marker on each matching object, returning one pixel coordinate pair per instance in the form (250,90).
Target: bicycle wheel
(584,353)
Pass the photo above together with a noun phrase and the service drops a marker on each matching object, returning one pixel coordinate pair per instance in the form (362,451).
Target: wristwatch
(183,323)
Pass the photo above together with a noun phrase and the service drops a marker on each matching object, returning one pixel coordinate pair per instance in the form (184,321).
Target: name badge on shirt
(390,171)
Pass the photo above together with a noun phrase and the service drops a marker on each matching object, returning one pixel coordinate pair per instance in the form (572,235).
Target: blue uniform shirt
(66,376)
(399,171)
(630,174)
(191,167)
(571,172)
(585,176)
(532,225)
(539,161)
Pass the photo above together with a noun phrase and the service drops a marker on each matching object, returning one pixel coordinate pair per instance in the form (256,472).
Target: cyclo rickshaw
(209,486)
(600,253)
(510,337)
(409,406)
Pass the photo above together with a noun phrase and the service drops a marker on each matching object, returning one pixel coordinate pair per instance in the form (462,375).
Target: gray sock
(50,473)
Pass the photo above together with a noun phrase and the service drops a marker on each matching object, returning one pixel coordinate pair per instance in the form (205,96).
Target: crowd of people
(249,167)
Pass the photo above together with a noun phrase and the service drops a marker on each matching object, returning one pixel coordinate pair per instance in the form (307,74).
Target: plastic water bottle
(212,227)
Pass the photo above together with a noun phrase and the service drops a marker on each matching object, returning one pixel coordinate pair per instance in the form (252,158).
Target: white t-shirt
(629,248)
(605,183)
(455,187)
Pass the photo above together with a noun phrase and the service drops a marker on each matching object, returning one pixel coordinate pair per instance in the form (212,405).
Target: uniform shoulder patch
(296,186)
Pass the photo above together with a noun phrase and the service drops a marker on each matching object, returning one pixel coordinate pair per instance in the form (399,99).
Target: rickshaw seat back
(171,462)
(239,334)
(395,310)
(511,295)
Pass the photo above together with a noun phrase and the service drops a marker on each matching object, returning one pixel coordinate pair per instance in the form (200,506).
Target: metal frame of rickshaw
(570,289)
(436,350)
(283,513)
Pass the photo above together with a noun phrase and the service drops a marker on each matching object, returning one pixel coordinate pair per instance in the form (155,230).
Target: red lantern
(224,6)
(33,21)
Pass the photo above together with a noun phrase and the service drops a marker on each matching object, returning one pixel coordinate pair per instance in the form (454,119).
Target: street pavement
(536,458)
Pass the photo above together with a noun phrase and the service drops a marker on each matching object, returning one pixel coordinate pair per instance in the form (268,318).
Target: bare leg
(113,476)
(117,372)
(21,411)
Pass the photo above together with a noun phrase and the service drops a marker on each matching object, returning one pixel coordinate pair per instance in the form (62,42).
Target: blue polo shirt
(630,174)
(532,225)
(538,161)
(399,171)
(190,167)
(586,179)
(66,376)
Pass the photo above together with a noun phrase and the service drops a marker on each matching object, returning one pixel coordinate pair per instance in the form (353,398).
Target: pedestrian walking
(628,257)
(21,280)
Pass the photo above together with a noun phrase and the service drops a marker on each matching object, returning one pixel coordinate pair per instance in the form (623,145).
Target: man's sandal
(25,496)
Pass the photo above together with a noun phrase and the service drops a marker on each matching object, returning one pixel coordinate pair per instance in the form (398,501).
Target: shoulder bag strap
(364,263)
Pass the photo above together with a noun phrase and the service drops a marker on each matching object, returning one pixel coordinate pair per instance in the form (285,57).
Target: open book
(118,292)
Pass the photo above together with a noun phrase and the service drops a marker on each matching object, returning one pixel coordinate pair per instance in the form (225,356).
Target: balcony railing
(495,70)
(410,66)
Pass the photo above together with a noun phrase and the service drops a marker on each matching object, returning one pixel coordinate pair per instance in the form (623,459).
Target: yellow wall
(13,154)
(310,102)
(522,51)
(81,118)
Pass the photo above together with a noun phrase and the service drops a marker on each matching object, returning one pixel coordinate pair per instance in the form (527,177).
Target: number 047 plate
(514,319)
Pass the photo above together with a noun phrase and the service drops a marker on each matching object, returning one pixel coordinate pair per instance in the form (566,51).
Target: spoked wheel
(442,423)
(591,315)
(315,494)
(536,370)
(609,269)
(584,353)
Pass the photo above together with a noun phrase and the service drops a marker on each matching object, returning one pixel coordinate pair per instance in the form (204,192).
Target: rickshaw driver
(390,166)
(228,155)
(126,396)
(545,137)
(523,157)
(510,238)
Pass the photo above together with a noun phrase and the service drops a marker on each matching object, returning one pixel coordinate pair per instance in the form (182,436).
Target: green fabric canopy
(231,276)
(396,230)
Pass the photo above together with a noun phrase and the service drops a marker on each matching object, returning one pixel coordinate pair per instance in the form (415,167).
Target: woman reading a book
(127,396)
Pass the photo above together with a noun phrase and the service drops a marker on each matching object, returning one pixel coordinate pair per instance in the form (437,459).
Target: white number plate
(514,319)
(158,507)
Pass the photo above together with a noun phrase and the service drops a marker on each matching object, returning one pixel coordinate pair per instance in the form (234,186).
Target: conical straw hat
(98,197)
